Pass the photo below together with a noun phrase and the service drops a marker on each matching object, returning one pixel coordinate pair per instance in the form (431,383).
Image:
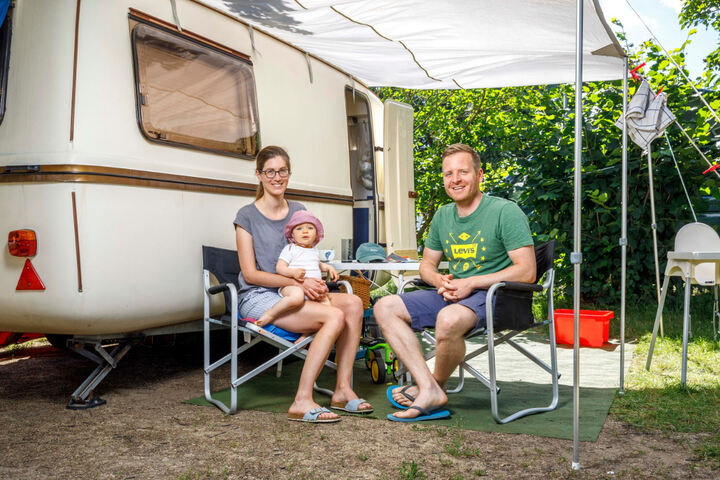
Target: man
(486,240)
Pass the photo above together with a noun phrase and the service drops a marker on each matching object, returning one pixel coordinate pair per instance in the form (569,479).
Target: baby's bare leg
(293,297)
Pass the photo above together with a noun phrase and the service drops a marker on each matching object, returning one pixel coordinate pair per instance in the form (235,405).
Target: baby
(299,259)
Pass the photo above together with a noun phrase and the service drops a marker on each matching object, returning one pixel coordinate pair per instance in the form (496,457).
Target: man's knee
(450,325)
(387,308)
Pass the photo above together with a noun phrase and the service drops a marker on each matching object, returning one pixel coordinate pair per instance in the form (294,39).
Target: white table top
(384,266)
(703,256)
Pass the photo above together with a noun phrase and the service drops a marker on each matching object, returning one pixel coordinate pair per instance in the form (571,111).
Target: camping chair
(224,265)
(696,259)
(511,314)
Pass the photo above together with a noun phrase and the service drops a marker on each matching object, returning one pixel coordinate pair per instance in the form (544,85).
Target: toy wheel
(395,365)
(377,370)
(369,354)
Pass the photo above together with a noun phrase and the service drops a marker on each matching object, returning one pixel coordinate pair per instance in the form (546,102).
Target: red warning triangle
(29,279)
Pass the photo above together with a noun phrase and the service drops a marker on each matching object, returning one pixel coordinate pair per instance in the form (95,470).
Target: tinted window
(193,95)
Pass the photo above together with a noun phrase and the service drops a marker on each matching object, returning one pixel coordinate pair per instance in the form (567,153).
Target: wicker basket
(360,287)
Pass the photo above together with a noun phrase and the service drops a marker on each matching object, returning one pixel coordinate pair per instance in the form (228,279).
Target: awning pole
(653,226)
(576,255)
(623,234)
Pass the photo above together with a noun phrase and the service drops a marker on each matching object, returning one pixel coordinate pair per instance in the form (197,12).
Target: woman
(259,231)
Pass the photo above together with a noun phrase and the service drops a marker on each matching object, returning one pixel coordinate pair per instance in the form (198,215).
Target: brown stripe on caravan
(187,33)
(74,81)
(77,243)
(143,178)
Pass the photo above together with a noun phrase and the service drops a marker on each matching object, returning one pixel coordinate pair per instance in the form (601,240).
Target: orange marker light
(22,243)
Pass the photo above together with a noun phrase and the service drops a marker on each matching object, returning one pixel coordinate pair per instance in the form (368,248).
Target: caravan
(127,142)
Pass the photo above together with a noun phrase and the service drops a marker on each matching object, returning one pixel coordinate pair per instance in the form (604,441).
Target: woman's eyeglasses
(270,173)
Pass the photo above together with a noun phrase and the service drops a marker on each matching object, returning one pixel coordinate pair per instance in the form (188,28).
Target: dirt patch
(146,431)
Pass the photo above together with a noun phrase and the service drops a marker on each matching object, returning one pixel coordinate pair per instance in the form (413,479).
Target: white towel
(647,116)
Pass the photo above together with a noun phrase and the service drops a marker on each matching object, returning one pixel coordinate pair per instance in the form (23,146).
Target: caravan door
(399,180)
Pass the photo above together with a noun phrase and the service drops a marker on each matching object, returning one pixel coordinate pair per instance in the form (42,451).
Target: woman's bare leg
(327,323)
(292,297)
(347,346)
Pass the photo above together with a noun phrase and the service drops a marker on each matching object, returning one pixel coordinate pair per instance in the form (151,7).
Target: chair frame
(547,287)
(252,335)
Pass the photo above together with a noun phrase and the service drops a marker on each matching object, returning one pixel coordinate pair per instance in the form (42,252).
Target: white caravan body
(121,217)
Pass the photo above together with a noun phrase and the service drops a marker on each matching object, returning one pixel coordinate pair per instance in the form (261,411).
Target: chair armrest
(215,289)
(521,287)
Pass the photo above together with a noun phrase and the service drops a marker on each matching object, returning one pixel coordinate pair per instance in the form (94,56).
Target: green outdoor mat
(470,408)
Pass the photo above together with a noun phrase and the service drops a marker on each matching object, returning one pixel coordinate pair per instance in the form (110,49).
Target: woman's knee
(334,319)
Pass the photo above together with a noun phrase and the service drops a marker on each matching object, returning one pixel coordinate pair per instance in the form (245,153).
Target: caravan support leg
(82,398)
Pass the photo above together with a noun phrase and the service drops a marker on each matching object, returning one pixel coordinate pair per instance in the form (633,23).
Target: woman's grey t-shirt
(268,237)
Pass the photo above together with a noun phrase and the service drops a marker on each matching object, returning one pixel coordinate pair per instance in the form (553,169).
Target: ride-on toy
(380,360)
(379,357)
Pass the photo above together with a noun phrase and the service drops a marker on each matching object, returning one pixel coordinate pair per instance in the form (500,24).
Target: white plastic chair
(696,259)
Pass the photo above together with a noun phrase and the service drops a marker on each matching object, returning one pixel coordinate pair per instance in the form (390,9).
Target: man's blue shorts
(424,305)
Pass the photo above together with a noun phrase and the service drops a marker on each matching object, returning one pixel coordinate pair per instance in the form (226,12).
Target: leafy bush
(525,136)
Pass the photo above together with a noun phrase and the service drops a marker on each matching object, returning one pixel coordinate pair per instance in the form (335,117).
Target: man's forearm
(513,273)
(430,275)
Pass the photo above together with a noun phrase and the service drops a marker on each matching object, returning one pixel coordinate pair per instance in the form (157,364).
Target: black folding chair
(511,315)
(224,265)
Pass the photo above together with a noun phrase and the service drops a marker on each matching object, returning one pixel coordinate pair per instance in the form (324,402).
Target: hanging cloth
(647,116)
(4,5)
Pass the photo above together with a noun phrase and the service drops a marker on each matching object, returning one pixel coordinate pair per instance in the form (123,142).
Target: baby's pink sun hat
(303,216)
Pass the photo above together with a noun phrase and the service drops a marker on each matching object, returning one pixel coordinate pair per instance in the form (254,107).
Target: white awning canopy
(438,44)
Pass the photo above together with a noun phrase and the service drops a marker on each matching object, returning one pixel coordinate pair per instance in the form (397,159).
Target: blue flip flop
(424,415)
(392,401)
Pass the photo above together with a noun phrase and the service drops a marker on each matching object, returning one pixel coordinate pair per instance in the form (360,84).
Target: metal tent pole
(653,225)
(576,255)
(623,234)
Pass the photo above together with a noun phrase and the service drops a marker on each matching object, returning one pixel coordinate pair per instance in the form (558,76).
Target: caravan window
(5,29)
(193,95)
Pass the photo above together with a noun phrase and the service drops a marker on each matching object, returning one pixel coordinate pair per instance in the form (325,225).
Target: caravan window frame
(5,40)
(248,146)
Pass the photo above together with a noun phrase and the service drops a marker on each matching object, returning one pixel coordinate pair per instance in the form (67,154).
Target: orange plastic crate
(594,327)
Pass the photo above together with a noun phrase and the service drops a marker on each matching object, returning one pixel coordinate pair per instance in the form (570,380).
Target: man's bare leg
(394,320)
(452,324)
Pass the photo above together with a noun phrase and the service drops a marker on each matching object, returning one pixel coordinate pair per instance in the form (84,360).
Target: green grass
(655,401)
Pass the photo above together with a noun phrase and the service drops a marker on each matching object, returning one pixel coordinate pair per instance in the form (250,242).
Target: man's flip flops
(311,416)
(353,406)
(402,391)
(424,415)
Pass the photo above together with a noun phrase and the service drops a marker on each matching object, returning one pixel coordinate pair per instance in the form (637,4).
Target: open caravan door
(399,181)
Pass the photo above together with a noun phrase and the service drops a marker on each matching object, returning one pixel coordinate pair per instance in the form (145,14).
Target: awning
(438,44)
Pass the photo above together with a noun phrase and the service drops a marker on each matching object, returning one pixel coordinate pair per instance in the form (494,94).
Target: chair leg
(658,315)
(686,328)
(715,312)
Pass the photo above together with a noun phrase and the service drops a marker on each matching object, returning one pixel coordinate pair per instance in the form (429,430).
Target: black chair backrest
(544,258)
(224,265)
(513,309)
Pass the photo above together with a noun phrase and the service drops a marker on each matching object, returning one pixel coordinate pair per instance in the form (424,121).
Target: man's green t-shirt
(478,244)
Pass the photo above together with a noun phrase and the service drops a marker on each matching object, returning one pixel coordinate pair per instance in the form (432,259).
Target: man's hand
(454,290)
(314,288)
(298,274)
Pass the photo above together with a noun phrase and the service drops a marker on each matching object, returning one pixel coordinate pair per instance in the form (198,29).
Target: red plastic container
(594,327)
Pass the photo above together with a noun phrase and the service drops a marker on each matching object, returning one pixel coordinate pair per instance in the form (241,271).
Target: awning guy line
(389,40)
(669,57)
